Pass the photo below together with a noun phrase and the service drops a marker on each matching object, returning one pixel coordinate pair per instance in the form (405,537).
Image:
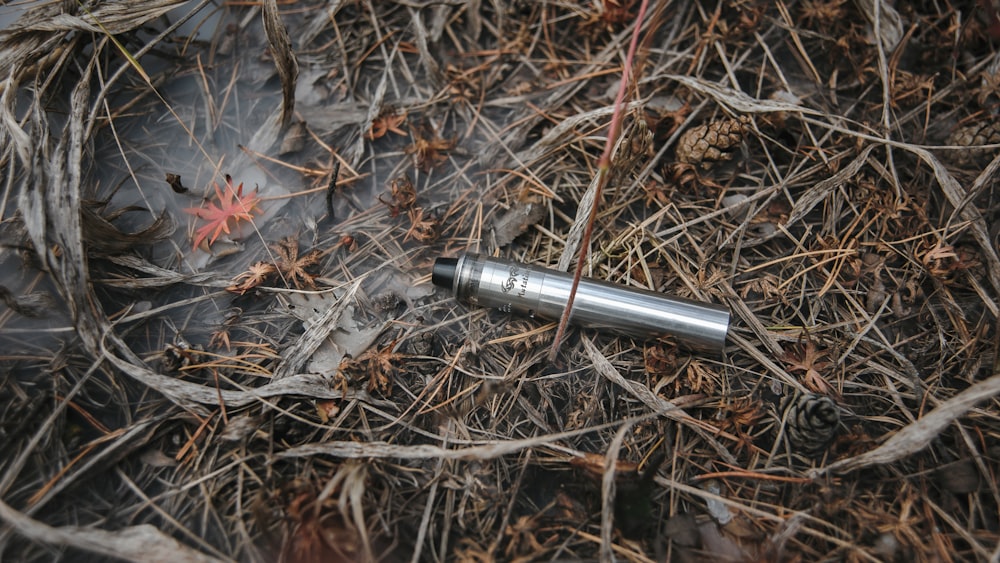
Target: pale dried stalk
(918,435)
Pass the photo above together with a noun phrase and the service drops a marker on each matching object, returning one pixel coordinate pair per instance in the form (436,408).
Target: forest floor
(221,340)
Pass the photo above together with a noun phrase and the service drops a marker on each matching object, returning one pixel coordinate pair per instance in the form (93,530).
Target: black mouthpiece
(443,274)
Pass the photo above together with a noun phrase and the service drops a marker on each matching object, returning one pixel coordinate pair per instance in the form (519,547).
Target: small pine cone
(713,141)
(973,135)
(811,422)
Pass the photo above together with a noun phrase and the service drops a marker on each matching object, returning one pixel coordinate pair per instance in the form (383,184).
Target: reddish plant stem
(603,167)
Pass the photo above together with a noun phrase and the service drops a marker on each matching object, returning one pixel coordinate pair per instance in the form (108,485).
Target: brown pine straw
(299,391)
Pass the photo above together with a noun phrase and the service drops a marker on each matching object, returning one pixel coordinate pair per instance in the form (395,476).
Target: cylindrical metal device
(524,289)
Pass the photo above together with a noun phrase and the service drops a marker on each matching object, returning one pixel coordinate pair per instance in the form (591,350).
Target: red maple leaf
(233,208)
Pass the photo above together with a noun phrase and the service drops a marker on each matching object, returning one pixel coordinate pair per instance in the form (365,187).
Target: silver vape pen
(524,289)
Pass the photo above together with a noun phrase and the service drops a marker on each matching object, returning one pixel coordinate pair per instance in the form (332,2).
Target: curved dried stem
(603,167)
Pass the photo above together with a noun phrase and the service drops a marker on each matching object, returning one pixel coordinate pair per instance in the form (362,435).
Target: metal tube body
(538,292)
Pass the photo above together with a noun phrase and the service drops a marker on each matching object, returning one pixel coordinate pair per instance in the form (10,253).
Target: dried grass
(302,393)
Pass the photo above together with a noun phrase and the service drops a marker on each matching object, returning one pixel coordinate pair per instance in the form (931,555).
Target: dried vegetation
(296,391)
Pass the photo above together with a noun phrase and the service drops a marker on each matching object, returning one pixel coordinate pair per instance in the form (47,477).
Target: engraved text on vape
(511,281)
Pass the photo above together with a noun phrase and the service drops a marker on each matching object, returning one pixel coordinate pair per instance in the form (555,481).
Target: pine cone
(973,135)
(712,141)
(811,422)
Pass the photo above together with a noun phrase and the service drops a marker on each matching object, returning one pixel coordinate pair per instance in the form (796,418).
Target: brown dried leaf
(102,236)
(294,139)
(319,532)
(253,277)
(378,365)
(174,181)
(890,27)
(700,379)
(682,529)
(292,266)
(387,122)
(808,359)
(327,409)
(660,360)
(423,228)
(960,477)
(427,149)
(593,465)
(518,219)
(402,197)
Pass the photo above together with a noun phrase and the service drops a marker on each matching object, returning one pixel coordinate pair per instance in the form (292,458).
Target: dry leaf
(808,359)
(402,196)
(174,180)
(425,229)
(427,150)
(379,366)
(255,276)
(518,219)
(293,267)
(385,123)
